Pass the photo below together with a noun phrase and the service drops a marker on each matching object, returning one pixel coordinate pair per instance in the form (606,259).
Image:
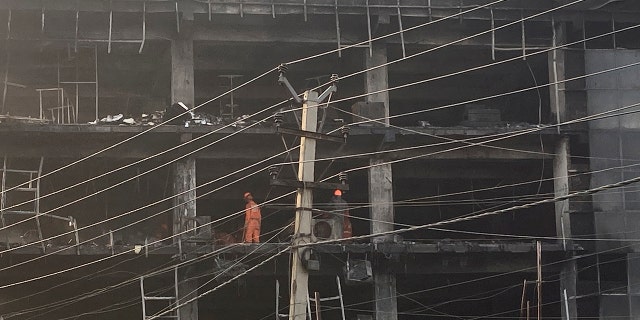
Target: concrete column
(568,272)
(377,79)
(556,64)
(184,178)
(182,66)
(184,183)
(381,191)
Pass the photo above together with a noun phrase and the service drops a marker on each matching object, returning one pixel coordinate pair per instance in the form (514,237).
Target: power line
(124,181)
(248,82)
(568,122)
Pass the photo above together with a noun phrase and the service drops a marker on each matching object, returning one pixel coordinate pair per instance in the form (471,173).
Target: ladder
(228,110)
(160,302)
(279,315)
(16,182)
(63,111)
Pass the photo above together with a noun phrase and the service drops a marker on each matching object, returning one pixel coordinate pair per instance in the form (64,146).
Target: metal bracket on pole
(282,80)
(333,88)
(308,185)
(144,26)
(309,134)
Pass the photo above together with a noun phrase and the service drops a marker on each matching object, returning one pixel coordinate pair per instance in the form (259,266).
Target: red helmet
(338,192)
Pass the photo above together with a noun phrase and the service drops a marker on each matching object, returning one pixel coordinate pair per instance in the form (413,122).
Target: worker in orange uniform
(251,220)
(341,213)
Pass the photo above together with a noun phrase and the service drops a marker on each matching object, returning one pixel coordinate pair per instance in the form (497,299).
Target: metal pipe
(110,29)
(369,29)
(144,25)
(177,18)
(209,7)
(613,29)
(6,79)
(42,21)
(404,53)
(539,282)
(9,25)
(75,229)
(77,28)
(493,36)
(111,243)
(524,291)
(273,9)
(96,72)
(340,295)
(41,111)
(338,29)
(584,34)
(77,106)
(554,57)
(304,9)
(524,41)
(277,300)
(77,82)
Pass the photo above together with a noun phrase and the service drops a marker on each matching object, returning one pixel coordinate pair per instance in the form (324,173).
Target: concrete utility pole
(304,199)
(304,202)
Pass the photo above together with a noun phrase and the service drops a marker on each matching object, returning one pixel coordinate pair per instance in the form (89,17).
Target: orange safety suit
(252,222)
(347,230)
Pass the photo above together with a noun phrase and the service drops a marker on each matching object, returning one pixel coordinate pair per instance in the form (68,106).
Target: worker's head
(337,193)
(247,196)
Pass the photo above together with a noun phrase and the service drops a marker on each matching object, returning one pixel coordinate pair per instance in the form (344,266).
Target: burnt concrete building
(489,151)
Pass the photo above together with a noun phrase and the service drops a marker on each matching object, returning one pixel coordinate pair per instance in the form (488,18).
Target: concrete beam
(410,8)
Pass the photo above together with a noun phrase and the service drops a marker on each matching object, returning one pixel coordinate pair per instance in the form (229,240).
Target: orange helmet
(246,195)
(338,192)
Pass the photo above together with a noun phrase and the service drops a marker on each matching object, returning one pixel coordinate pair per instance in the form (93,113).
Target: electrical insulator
(342,176)
(278,119)
(282,68)
(273,172)
(345,131)
(334,78)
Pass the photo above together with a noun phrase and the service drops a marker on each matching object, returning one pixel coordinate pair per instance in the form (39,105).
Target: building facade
(487,149)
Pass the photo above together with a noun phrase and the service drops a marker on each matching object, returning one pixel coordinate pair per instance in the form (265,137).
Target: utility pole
(304,202)
(299,294)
